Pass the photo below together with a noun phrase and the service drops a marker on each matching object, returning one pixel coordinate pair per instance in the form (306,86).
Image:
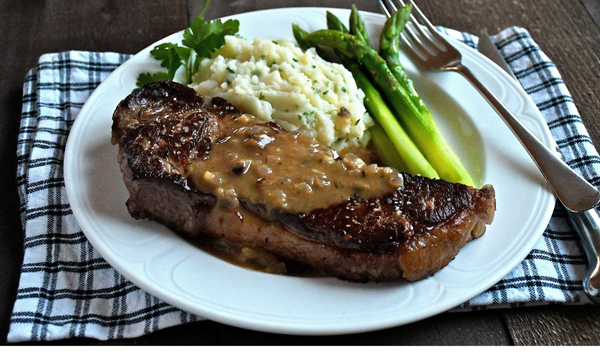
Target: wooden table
(568,31)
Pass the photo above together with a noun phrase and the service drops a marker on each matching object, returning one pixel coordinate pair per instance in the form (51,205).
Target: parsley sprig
(199,40)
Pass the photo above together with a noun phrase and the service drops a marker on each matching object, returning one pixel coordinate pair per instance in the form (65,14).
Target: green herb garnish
(199,40)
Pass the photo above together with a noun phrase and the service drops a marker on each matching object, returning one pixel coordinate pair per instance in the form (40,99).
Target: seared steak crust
(381,225)
(164,127)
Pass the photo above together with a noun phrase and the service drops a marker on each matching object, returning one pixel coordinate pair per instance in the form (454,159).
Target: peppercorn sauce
(263,164)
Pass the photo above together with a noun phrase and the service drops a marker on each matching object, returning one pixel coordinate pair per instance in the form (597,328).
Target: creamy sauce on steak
(284,170)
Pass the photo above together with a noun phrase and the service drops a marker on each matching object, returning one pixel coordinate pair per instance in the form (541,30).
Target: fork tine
(416,49)
(387,7)
(424,40)
(419,40)
(420,45)
(422,18)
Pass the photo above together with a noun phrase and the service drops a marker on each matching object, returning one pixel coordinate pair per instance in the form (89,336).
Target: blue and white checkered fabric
(67,290)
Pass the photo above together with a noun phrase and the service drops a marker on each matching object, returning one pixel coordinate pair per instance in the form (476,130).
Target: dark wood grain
(482,328)
(554,325)
(475,328)
(237,7)
(565,30)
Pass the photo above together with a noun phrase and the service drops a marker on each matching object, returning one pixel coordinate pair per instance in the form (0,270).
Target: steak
(355,221)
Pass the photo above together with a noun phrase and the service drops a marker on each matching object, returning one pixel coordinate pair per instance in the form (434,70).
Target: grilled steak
(195,167)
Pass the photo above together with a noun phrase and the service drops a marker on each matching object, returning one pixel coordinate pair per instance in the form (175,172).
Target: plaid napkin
(67,290)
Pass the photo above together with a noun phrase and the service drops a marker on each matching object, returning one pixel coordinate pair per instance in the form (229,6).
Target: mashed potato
(276,81)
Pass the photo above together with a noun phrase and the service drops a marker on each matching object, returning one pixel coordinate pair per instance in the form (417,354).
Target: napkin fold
(67,289)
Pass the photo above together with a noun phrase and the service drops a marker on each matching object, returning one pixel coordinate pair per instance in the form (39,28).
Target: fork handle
(573,191)
(587,226)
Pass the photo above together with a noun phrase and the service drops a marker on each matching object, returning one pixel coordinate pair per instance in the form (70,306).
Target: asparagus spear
(389,49)
(414,161)
(386,149)
(423,131)
(393,144)
(333,23)
(357,25)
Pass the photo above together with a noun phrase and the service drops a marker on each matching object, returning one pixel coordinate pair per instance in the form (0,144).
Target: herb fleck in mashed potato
(276,81)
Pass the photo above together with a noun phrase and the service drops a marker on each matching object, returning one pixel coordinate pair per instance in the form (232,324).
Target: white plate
(160,262)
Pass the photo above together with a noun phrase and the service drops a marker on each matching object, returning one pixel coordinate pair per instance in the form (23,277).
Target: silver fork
(433,52)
